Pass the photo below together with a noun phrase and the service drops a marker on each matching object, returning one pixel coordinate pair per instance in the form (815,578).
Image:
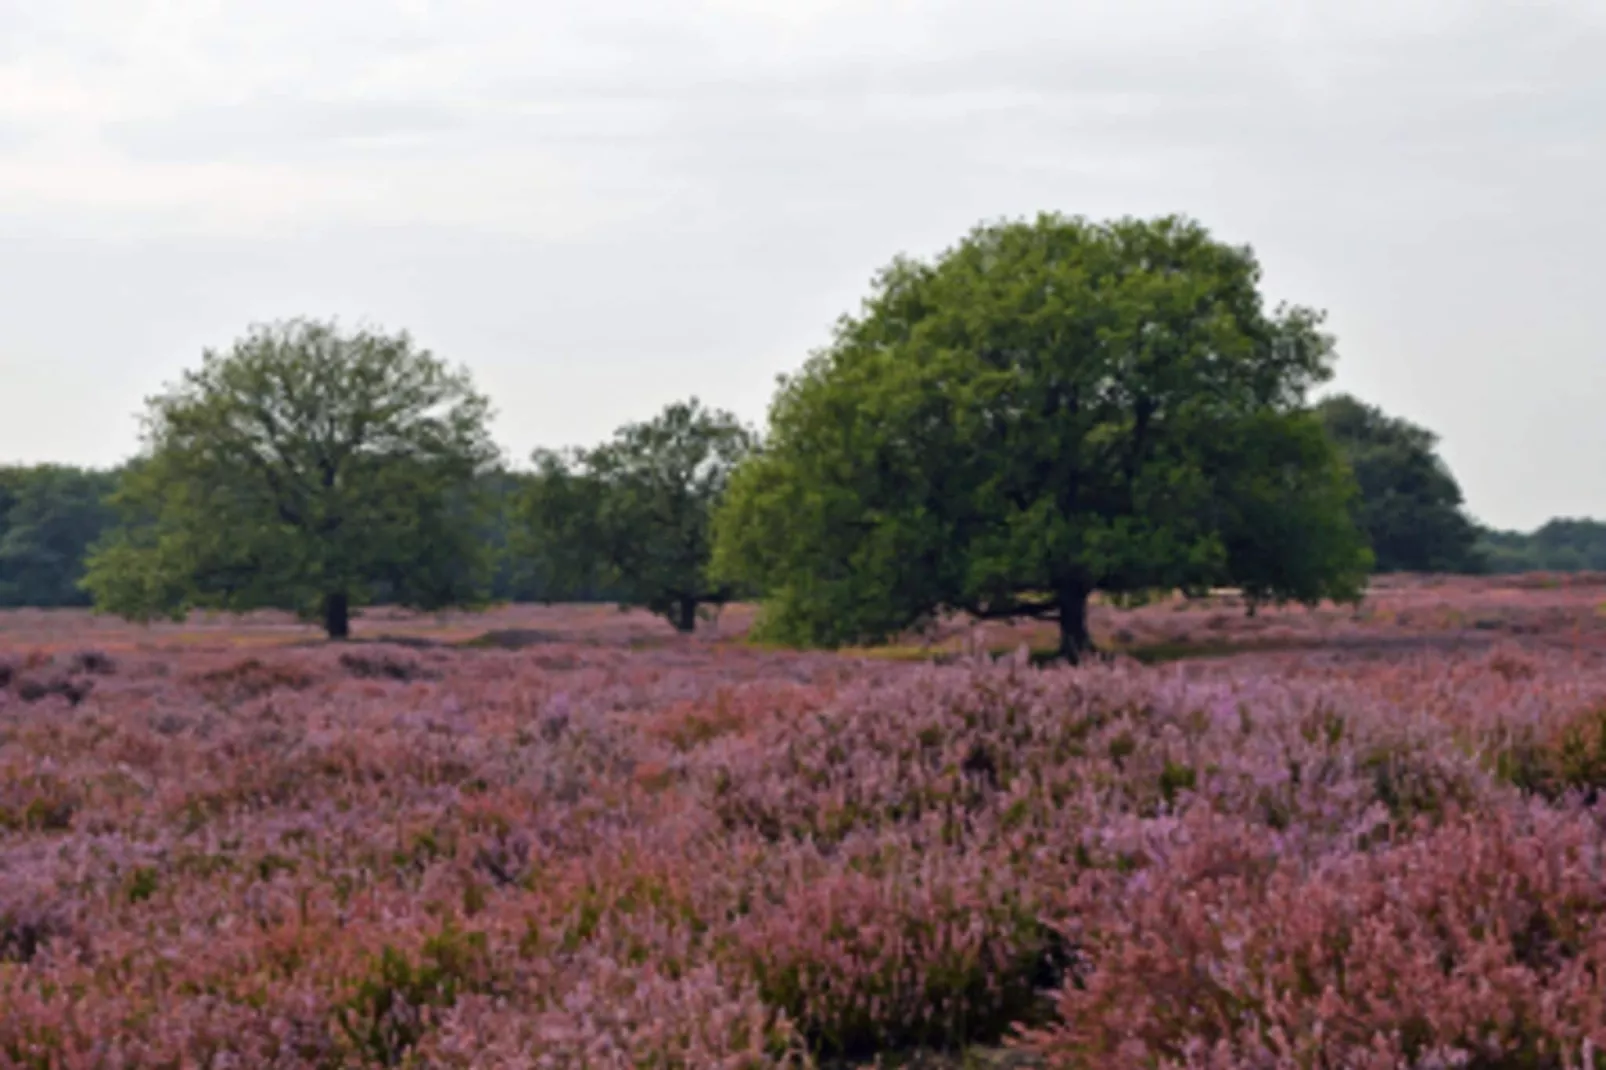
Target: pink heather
(700,855)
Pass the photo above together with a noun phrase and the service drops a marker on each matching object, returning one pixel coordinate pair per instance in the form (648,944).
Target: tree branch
(1012,610)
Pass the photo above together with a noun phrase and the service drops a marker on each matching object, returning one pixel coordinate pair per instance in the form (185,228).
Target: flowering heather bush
(591,852)
(385,666)
(1479,942)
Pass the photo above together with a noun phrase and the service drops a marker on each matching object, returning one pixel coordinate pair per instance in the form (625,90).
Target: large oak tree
(305,468)
(1049,409)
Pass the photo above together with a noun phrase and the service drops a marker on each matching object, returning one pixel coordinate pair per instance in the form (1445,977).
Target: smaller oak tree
(305,469)
(633,515)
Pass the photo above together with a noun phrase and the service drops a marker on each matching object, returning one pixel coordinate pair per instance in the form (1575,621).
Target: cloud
(706,183)
(608,104)
(268,129)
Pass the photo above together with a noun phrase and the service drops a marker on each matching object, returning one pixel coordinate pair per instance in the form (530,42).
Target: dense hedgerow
(702,856)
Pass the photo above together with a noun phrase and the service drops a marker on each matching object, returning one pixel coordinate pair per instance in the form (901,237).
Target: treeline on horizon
(52,514)
(1050,409)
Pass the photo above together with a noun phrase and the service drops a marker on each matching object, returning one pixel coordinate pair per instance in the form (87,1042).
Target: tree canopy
(1048,409)
(633,514)
(49,517)
(1409,505)
(304,468)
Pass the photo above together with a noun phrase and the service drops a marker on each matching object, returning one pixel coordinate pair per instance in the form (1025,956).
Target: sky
(602,206)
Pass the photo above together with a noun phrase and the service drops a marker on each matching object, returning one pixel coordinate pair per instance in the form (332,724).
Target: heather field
(563,837)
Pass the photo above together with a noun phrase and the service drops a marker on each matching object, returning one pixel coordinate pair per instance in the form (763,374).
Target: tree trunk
(337,615)
(1075,640)
(684,615)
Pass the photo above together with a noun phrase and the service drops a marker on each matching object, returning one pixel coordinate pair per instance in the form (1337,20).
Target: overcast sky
(604,205)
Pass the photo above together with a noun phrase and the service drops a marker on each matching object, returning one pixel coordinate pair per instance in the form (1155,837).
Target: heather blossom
(703,854)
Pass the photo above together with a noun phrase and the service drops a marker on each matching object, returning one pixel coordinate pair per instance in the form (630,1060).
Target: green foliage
(388,1012)
(633,515)
(1289,506)
(1561,545)
(517,576)
(51,807)
(142,884)
(1556,759)
(888,1006)
(49,516)
(1410,504)
(1050,408)
(304,469)
(1176,779)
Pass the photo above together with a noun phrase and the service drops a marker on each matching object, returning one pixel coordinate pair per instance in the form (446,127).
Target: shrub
(251,678)
(25,927)
(866,964)
(385,667)
(41,802)
(1479,943)
(141,884)
(1555,758)
(31,689)
(93,662)
(390,1009)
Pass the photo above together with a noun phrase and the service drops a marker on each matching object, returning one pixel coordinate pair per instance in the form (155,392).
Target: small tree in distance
(1410,504)
(634,514)
(303,469)
(1049,409)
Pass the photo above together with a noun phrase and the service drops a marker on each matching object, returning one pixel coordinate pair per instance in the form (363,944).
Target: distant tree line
(51,516)
(1410,506)
(1051,408)
(1561,545)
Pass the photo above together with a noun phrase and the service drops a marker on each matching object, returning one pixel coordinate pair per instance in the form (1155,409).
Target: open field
(564,837)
